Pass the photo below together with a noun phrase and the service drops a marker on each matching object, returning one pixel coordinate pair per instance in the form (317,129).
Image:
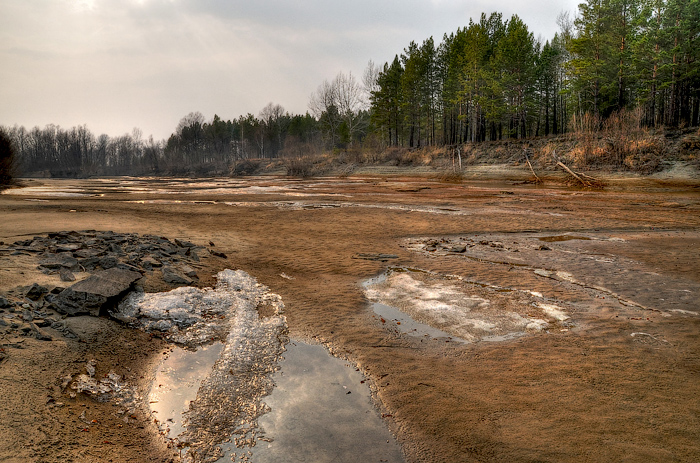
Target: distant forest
(491,80)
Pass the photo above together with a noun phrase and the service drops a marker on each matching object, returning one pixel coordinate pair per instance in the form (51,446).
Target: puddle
(176,384)
(420,304)
(243,396)
(320,410)
(406,324)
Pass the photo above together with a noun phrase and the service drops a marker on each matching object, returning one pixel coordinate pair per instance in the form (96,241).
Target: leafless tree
(324,107)
(370,80)
(271,117)
(339,102)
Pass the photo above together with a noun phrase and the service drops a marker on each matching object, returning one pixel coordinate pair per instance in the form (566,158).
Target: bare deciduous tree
(338,105)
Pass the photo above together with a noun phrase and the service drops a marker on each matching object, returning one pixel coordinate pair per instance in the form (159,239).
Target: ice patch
(228,401)
(110,388)
(192,316)
(447,304)
(553,311)
(536,324)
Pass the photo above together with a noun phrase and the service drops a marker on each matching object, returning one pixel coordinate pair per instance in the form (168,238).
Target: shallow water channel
(319,410)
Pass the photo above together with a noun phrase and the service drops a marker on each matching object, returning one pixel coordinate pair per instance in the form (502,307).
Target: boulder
(89,296)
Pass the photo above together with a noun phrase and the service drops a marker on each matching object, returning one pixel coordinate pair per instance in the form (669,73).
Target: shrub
(245,167)
(300,167)
(621,142)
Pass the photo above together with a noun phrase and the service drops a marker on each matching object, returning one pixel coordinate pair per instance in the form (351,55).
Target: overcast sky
(119,64)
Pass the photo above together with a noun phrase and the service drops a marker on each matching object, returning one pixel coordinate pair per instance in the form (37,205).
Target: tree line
(493,80)
(489,80)
(338,119)
(196,147)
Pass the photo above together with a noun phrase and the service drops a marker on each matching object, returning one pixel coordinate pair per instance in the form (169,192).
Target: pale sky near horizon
(119,64)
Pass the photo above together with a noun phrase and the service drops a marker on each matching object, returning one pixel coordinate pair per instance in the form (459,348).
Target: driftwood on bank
(586,180)
(537,179)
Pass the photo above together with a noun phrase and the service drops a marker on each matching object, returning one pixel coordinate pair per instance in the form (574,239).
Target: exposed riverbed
(568,319)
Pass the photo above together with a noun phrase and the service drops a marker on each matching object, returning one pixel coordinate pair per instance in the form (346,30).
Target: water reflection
(321,410)
(176,383)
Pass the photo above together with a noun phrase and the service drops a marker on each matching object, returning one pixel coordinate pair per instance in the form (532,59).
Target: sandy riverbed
(609,371)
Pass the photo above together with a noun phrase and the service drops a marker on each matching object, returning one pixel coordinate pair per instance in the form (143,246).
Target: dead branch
(537,179)
(592,182)
(585,183)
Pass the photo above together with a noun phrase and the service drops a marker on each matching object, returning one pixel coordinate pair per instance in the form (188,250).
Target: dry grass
(451,176)
(619,142)
(302,166)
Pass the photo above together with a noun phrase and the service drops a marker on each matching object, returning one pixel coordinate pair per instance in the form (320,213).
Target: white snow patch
(553,311)
(536,324)
(446,304)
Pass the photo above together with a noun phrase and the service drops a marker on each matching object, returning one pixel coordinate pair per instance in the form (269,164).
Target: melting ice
(228,401)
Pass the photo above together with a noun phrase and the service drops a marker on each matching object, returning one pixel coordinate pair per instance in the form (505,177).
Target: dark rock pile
(115,261)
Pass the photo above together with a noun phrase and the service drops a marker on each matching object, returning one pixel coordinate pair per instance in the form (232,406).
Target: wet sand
(619,383)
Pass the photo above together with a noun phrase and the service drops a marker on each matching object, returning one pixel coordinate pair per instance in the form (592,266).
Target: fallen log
(593,182)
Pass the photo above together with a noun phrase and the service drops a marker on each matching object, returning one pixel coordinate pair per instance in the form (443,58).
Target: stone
(189,271)
(86,253)
(149,263)
(458,249)
(4,303)
(68,247)
(59,260)
(40,334)
(89,296)
(168,248)
(108,262)
(115,248)
(172,276)
(89,263)
(66,275)
(184,244)
(36,291)
(42,323)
